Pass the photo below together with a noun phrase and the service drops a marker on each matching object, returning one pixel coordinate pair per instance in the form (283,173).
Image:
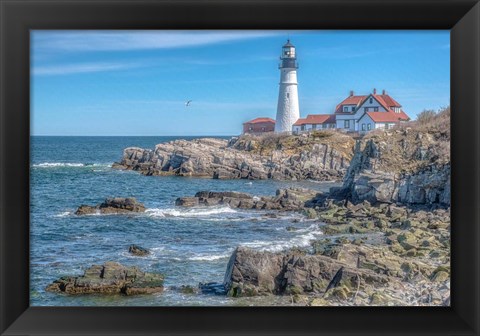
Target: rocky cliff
(410,165)
(269,157)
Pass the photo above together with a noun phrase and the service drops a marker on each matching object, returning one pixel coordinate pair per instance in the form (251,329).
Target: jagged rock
(251,273)
(285,199)
(403,167)
(187,201)
(324,159)
(138,250)
(116,205)
(110,278)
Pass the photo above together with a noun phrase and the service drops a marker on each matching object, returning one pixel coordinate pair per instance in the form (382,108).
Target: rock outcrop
(251,273)
(399,166)
(390,254)
(287,158)
(285,199)
(116,205)
(138,250)
(110,278)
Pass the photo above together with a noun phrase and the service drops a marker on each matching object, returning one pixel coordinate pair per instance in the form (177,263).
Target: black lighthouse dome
(288,44)
(288,57)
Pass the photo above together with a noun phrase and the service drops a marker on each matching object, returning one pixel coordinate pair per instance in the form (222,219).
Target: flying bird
(188,103)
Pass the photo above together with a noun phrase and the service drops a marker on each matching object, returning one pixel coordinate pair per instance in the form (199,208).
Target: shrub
(322,133)
(426,116)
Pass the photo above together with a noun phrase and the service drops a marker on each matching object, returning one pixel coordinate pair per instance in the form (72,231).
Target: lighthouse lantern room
(288,111)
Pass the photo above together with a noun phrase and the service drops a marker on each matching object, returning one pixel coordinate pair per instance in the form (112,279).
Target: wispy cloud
(135,40)
(67,69)
(167,106)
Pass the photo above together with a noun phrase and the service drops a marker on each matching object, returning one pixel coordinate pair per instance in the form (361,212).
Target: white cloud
(67,69)
(134,40)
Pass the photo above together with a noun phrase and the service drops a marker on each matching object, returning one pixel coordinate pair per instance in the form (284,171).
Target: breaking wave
(210,257)
(197,212)
(69,164)
(303,240)
(63,214)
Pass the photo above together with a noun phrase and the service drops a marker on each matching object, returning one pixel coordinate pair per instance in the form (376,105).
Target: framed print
(226,167)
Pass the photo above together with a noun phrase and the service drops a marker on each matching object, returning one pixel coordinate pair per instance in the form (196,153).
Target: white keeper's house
(357,114)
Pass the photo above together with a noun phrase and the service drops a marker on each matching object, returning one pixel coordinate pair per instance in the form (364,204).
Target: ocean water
(188,246)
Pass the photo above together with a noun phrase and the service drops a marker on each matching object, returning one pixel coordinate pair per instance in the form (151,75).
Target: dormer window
(345,109)
(353,108)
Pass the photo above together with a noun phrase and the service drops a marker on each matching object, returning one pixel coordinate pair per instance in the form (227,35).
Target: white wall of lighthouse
(288,110)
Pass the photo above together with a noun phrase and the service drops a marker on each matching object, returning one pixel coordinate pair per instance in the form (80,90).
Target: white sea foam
(69,164)
(63,214)
(302,240)
(210,257)
(198,212)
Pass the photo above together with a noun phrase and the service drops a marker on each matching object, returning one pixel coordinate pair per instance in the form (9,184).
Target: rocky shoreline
(383,251)
(370,254)
(386,229)
(278,158)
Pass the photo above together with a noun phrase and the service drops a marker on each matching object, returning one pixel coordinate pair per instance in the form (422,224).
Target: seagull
(188,103)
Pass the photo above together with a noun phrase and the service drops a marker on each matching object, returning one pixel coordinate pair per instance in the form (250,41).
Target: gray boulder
(250,273)
(138,250)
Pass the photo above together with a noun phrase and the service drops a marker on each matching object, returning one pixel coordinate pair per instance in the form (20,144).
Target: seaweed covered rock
(138,250)
(285,199)
(109,278)
(114,205)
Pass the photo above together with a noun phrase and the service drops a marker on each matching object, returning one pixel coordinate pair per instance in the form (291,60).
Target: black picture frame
(19,16)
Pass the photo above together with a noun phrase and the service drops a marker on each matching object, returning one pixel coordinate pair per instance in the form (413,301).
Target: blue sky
(137,82)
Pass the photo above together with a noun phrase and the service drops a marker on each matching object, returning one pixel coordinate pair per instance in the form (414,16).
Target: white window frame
(346,124)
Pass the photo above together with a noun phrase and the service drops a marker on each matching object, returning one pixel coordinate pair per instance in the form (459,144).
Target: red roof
(350,100)
(316,119)
(260,120)
(300,122)
(389,116)
(389,100)
(384,99)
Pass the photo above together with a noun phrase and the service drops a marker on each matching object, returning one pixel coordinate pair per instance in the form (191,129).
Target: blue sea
(189,245)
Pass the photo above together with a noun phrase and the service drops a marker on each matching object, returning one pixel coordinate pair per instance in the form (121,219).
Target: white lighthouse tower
(288,111)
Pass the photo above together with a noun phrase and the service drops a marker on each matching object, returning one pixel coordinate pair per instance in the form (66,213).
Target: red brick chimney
(374,91)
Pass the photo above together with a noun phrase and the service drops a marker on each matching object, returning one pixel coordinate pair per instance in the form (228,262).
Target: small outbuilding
(314,122)
(259,125)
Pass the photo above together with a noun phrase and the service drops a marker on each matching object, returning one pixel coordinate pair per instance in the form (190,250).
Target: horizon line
(72,135)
